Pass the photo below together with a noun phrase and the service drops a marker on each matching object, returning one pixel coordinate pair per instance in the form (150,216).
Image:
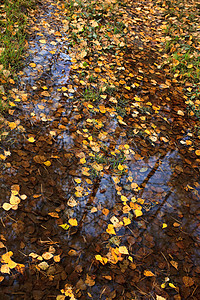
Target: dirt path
(101,188)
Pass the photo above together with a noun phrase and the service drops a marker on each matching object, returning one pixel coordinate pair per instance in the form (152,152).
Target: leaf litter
(103,154)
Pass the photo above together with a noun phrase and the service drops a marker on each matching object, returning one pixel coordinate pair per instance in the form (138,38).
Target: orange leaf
(105,211)
(148,273)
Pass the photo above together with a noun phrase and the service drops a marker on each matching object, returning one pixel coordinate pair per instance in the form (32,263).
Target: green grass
(182,47)
(13,24)
(13,21)
(91,95)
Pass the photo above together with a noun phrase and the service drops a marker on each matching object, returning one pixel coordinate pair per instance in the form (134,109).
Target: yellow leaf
(31,140)
(3,157)
(82,160)
(32,65)
(172,285)
(121,122)
(148,273)
(64,226)
(124,198)
(164,225)
(110,229)
(12,103)
(130,258)
(12,125)
(127,221)
(120,167)
(138,212)
(197,152)
(73,222)
(56,258)
(12,264)
(64,89)
(103,260)
(5,258)
(47,163)
(190,66)
(126,146)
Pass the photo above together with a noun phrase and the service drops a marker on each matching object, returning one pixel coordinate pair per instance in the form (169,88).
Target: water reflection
(169,188)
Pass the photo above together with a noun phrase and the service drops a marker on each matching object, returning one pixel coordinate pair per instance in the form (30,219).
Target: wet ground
(77,164)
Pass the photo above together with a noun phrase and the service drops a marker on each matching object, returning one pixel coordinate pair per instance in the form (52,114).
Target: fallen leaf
(43,265)
(174,264)
(72,202)
(197,152)
(56,258)
(6,206)
(148,273)
(47,163)
(89,280)
(188,281)
(31,140)
(123,250)
(172,285)
(126,221)
(105,211)
(103,260)
(160,298)
(47,255)
(5,269)
(110,229)
(54,214)
(73,222)
(33,255)
(138,212)
(65,226)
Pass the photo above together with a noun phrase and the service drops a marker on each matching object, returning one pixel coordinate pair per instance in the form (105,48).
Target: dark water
(166,172)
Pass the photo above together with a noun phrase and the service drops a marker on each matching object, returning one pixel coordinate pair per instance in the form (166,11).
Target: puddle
(164,240)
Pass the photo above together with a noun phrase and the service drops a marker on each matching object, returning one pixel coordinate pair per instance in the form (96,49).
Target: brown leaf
(89,280)
(188,281)
(40,159)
